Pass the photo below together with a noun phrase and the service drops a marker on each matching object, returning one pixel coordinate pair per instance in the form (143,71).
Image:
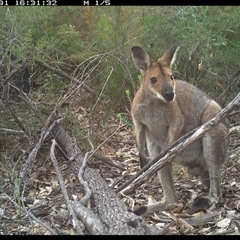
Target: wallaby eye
(172,77)
(153,80)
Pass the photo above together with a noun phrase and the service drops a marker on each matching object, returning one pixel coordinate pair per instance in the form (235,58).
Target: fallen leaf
(223,223)
(160,225)
(238,204)
(204,230)
(183,226)
(231,214)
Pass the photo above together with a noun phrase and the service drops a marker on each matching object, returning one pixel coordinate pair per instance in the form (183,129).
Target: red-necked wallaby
(165,109)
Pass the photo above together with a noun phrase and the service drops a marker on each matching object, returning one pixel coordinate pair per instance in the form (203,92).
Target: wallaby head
(158,78)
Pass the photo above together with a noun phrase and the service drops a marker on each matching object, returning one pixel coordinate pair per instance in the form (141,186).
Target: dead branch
(32,157)
(63,74)
(15,117)
(202,220)
(176,148)
(63,189)
(107,161)
(92,221)
(88,192)
(112,212)
(10,131)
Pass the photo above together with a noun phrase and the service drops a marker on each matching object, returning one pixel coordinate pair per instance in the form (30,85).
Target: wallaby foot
(153,207)
(205,202)
(199,203)
(140,211)
(202,203)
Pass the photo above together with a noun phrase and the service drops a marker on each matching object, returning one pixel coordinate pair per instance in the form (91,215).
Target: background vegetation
(92,44)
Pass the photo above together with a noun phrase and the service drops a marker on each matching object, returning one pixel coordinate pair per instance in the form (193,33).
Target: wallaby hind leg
(166,178)
(205,179)
(169,194)
(215,150)
(164,174)
(199,171)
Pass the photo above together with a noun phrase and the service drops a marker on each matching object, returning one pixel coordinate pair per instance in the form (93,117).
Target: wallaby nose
(169,95)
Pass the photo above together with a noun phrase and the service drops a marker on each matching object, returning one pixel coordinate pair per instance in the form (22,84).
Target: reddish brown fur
(165,109)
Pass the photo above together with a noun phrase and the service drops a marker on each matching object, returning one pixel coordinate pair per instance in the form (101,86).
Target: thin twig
(102,89)
(107,139)
(87,189)
(15,116)
(63,189)
(7,50)
(11,131)
(129,73)
(60,72)
(108,161)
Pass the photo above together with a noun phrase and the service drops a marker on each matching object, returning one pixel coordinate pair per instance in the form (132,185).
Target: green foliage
(128,95)
(41,34)
(209,34)
(139,81)
(57,44)
(60,34)
(125,120)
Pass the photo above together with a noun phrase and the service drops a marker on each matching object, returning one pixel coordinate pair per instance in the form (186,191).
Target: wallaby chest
(156,116)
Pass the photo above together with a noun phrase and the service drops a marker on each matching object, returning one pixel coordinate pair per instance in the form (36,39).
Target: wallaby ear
(169,56)
(141,58)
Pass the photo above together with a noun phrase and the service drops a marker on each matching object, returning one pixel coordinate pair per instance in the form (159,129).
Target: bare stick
(10,131)
(64,191)
(108,161)
(80,176)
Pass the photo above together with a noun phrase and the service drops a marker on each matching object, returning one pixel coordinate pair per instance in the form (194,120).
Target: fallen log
(113,213)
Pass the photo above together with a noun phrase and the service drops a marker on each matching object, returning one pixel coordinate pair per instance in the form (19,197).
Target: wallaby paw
(202,203)
(140,211)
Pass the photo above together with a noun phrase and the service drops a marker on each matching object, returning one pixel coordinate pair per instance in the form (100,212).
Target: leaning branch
(32,156)
(176,148)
